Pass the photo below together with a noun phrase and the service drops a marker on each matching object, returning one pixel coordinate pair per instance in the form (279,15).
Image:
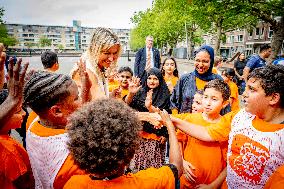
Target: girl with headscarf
(188,84)
(100,57)
(153,95)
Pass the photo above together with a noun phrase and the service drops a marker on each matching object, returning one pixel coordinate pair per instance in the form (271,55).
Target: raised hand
(16,80)
(148,100)
(134,85)
(86,83)
(166,119)
(188,169)
(116,93)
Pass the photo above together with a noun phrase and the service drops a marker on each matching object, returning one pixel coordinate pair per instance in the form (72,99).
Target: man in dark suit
(146,58)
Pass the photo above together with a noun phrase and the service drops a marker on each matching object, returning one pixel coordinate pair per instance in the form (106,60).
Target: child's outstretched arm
(15,86)
(175,154)
(193,130)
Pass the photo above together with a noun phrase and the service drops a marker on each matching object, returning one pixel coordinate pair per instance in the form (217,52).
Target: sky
(91,13)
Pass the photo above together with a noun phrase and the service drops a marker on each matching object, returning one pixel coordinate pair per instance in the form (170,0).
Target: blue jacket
(140,61)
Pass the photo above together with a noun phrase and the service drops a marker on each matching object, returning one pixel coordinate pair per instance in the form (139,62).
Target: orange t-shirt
(173,80)
(112,85)
(214,70)
(200,84)
(276,181)
(146,179)
(208,158)
(69,168)
(235,105)
(14,163)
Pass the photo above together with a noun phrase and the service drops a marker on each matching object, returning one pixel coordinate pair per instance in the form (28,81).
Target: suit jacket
(140,61)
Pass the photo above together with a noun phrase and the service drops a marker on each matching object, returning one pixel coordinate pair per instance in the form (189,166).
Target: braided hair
(45,89)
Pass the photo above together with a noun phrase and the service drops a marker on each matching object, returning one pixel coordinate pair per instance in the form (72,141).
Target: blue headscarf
(207,76)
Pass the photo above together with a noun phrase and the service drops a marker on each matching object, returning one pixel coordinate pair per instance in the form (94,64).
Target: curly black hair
(103,136)
(221,86)
(271,79)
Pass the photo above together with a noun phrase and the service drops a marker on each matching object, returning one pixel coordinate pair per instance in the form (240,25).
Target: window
(270,33)
(257,31)
(240,38)
(232,38)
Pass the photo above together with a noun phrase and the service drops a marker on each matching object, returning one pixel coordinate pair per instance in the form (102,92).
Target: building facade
(248,41)
(64,38)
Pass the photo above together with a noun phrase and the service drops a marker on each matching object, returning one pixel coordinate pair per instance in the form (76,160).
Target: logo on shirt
(248,158)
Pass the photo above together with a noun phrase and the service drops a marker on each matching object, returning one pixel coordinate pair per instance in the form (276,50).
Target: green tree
(270,11)
(60,47)
(165,21)
(223,16)
(44,41)
(4,37)
(29,44)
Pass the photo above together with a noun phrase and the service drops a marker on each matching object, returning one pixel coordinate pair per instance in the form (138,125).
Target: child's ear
(55,111)
(274,98)
(225,103)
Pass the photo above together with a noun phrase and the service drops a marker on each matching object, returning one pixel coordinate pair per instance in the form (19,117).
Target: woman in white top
(100,57)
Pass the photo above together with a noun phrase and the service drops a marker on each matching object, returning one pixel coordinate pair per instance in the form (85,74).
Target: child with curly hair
(255,134)
(105,153)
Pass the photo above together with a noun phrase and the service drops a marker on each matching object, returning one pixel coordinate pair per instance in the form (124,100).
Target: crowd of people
(108,127)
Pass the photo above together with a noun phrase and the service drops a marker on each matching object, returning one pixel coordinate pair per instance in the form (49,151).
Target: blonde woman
(100,57)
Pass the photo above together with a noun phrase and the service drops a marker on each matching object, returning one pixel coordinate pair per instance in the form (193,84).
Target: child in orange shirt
(228,75)
(207,158)
(170,72)
(197,106)
(53,97)
(124,76)
(105,153)
(255,133)
(15,169)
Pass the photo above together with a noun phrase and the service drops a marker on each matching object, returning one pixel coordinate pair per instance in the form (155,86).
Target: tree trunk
(218,40)
(190,41)
(278,37)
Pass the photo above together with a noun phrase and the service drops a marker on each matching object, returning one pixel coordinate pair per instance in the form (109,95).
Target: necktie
(148,61)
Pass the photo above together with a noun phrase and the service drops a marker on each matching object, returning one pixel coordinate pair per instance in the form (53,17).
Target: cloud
(92,13)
